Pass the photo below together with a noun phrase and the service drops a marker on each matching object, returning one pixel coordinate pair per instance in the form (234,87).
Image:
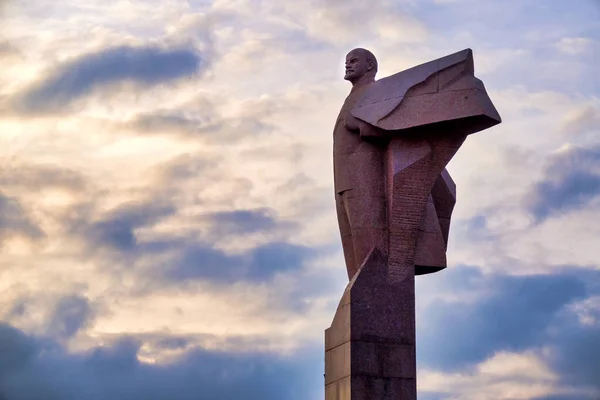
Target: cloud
(3,4)
(240,222)
(474,229)
(169,122)
(116,229)
(14,220)
(567,396)
(197,116)
(574,350)
(189,166)
(198,252)
(32,367)
(202,261)
(215,128)
(217,119)
(16,349)
(574,45)
(484,315)
(146,66)
(7,50)
(512,316)
(504,376)
(571,181)
(71,314)
(582,120)
(24,176)
(335,21)
(309,25)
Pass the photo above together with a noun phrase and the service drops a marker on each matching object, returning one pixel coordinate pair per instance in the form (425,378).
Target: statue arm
(365,130)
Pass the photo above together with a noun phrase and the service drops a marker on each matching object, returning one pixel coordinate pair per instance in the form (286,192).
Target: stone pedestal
(370,346)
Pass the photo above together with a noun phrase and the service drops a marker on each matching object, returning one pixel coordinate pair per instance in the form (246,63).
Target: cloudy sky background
(167,223)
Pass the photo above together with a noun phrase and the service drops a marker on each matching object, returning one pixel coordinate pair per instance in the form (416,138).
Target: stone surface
(423,112)
(358,172)
(394,198)
(370,346)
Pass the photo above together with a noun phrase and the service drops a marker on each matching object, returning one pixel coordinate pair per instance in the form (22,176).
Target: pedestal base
(370,346)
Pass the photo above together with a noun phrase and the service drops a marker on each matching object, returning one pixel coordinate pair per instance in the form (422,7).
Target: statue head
(361,65)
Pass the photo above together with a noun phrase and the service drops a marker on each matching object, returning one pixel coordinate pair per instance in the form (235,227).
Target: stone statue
(371,116)
(392,141)
(358,171)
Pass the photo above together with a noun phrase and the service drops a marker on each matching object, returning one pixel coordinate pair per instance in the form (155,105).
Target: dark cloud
(575,351)
(172,343)
(193,254)
(16,350)
(571,181)
(167,340)
(121,356)
(39,176)
(150,65)
(244,221)
(474,229)
(240,222)
(32,369)
(201,117)
(116,229)
(14,220)
(511,313)
(7,50)
(71,314)
(203,261)
(18,309)
(199,178)
(214,128)
(577,396)
(189,166)
(277,257)
(512,316)
(195,118)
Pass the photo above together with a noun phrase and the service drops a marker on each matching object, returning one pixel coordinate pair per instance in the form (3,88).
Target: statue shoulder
(383,96)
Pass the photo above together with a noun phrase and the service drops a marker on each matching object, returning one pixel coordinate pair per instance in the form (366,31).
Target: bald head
(361,66)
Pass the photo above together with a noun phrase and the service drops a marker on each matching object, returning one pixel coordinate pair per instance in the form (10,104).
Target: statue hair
(370,57)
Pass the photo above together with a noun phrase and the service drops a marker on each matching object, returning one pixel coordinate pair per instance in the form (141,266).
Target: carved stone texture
(413,109)
(358,175)
(439,91)
(370,347)
(414,165)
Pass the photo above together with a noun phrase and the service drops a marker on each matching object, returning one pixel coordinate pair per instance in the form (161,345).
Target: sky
(167,221)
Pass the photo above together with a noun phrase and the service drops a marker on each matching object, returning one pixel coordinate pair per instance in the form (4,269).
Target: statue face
(356,65)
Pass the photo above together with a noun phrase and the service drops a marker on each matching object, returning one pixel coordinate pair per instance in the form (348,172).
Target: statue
(371,115)
(394,198)
(358,171)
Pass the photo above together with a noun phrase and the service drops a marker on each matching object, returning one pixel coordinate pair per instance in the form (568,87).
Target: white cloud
(574,45)
(582,119)
(503,376)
